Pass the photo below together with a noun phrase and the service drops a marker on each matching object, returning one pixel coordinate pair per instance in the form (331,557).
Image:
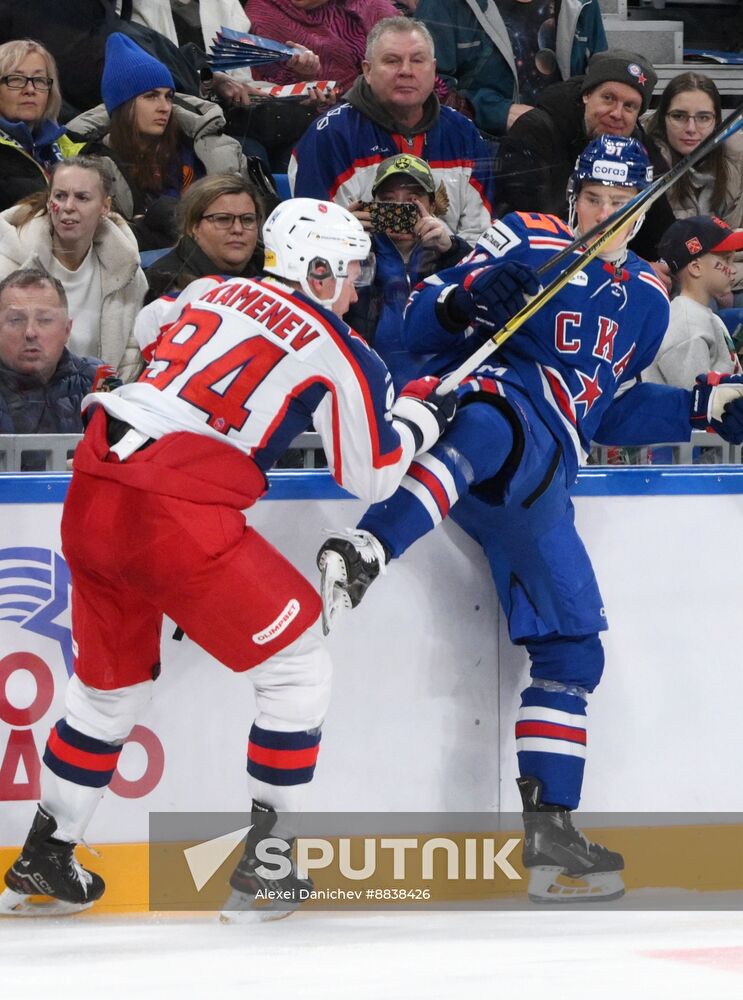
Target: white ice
(523,955)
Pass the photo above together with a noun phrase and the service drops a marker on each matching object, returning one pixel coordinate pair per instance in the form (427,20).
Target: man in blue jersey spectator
(392,108)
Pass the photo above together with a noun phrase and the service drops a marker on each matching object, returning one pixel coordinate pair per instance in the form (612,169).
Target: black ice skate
(349,563)
(264,896)
(47,867)
(553,848)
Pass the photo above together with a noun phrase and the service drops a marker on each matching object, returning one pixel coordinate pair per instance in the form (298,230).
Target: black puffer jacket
(185,263)
(30,406)
(26,155)
(537,157)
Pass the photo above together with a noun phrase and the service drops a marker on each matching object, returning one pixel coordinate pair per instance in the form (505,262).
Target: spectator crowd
(130,168)
(183,245)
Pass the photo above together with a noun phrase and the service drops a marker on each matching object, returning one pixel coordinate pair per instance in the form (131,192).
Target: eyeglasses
(226,220)
(703,119)
(17,81)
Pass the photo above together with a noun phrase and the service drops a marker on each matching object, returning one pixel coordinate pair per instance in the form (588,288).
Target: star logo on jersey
(591,389)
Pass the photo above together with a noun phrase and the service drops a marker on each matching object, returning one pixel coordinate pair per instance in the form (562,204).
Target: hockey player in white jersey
(504,468)
(153,525)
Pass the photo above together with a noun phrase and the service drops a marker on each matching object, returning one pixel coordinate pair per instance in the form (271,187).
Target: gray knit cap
(623,67)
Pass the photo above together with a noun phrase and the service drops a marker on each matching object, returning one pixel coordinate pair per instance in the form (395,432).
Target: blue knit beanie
(129,71)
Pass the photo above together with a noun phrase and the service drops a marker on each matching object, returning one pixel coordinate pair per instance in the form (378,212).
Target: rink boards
(426,683)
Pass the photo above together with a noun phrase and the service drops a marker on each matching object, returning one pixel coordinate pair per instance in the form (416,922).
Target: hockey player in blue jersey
(504,468)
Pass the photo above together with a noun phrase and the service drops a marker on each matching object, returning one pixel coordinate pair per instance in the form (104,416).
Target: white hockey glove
(426,413)
(717,405)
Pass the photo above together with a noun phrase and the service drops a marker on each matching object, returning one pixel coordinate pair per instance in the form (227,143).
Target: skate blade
(243,909)
(332,580)
(544,887)
(15,904)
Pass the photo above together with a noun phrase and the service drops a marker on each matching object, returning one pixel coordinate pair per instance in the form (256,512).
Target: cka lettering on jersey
(568,339)
(604,346)
(564,322)
(275,315)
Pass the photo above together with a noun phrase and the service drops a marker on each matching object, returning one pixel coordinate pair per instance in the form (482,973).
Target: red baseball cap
(688,239)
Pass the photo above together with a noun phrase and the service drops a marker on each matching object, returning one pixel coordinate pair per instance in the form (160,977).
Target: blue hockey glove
(426,413)
(717,405)
(490,295)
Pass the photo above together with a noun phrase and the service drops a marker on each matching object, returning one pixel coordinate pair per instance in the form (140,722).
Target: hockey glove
(717,405)
(426,413)
(490,295)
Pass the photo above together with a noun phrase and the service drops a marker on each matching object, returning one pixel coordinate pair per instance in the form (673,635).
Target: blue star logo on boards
(34,592)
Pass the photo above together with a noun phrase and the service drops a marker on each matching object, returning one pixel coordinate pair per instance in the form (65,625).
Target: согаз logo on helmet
(608,170)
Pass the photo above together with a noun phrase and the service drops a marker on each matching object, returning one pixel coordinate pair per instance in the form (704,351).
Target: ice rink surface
(374,955)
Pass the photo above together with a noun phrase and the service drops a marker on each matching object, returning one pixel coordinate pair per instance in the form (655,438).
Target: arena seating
(728,79)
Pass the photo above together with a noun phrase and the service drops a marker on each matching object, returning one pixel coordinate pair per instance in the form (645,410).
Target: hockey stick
(604,232)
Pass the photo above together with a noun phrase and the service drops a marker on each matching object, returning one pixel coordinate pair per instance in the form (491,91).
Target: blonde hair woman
(31,140)
(72,234)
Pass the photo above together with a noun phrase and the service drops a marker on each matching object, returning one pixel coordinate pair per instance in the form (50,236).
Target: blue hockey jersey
(337,159)
(579,357)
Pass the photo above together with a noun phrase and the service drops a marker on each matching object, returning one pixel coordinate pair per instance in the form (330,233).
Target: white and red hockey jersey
(254,363)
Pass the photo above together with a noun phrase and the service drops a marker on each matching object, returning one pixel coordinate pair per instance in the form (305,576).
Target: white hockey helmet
(306,238)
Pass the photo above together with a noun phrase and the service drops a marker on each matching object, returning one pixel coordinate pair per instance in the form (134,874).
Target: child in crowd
(699,252)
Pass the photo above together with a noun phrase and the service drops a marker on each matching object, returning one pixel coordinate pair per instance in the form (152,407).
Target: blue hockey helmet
(611,160)
(615,160)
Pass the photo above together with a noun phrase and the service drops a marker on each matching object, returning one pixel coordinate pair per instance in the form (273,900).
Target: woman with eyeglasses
(31,140)
(220,219)
(689,111)
(157,142)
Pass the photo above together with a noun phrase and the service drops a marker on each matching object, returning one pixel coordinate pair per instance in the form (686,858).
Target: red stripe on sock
(551,729)
(81,758)
(433,486)
(285,760)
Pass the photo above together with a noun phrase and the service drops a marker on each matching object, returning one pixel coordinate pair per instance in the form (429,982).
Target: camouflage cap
(407,165)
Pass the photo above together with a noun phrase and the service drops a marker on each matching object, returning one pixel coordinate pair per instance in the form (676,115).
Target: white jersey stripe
(569,426)
(536,713)
(437,468)
(423,495)
(547,243)
(537,744)
(650,279)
